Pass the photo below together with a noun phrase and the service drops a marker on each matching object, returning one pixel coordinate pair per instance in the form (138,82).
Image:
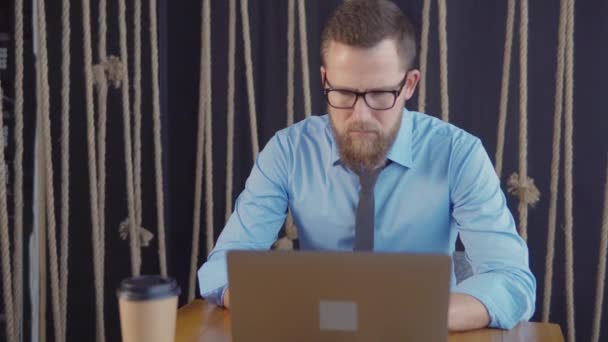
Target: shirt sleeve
(502,279)
(259,213)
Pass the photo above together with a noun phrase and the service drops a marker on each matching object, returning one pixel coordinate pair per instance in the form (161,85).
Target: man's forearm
(466,313)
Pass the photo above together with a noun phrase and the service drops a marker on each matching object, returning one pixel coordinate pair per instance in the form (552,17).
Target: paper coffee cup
(148,308)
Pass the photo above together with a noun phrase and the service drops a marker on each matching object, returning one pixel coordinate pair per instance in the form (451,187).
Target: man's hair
(365,23)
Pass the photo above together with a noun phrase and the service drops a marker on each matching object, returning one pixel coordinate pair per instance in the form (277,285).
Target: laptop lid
(338,296)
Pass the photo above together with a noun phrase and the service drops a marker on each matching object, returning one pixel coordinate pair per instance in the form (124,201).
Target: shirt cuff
(506,303)
(213,280)
(215,297)
(486,302)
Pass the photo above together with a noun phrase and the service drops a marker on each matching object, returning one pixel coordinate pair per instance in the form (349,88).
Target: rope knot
(145,236)
(291,234)
(291,230)
(283,244)
(524,189)
(108,70)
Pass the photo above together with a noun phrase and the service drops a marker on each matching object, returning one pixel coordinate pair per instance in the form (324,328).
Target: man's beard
(364,153)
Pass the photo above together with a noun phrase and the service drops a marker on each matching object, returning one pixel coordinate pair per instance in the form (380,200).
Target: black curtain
(476,31)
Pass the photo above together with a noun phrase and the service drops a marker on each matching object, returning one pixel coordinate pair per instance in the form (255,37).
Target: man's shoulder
(312,128)
(429,129)
(305,137)
(303,143)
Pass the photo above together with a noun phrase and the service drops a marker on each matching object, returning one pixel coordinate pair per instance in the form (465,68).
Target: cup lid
(148,287)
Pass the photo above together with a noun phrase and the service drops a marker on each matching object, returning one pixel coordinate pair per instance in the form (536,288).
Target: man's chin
(358,165)
(362,141)
(363,134)
(359,159)
(364,147)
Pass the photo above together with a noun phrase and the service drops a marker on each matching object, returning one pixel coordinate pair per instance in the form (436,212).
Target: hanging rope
(249,73)
(208,126)
(504,89)
(568,170)
(519,183)
(555,160)
(44,105)
(200,146)
(291,28)
(134,233)
(142,236)
(40,231)
(424,54)
(160,207)
(7,290)
(92,158)
(137,111)
(65,163)
(523,119)
(230,105)
(18,171)
(601,267)
(41,224)
(443,60)
(291,233)
(102,95)
(304,56)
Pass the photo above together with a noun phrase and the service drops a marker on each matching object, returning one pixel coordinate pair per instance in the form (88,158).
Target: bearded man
(427,181)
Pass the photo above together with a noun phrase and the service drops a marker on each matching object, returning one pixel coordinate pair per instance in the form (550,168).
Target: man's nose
(361,111)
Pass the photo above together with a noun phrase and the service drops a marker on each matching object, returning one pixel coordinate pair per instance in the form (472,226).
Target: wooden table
(200,321)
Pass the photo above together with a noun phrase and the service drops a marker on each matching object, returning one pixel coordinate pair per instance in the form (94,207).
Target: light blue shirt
(440,183)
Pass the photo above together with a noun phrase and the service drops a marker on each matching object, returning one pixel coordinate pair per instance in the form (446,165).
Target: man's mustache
(363,126)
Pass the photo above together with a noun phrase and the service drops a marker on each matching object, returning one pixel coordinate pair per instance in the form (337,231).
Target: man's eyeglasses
(374,99)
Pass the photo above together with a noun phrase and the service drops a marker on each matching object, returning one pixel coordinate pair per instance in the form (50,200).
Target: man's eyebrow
(384,88)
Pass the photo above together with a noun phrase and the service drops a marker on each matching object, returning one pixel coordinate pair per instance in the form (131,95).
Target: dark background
(476,40)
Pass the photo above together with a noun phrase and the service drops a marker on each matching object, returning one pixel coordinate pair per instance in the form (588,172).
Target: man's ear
(411,81)
(322,69)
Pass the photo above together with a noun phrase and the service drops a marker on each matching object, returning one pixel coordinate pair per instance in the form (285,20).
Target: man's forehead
(364,79)
(385,49)
(363,68)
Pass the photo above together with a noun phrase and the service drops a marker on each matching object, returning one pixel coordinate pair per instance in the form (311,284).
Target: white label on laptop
(338,315)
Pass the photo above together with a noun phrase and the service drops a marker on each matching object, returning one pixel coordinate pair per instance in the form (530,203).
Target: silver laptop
(338,296)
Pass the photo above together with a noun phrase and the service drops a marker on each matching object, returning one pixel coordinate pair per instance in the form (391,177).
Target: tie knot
(367,179)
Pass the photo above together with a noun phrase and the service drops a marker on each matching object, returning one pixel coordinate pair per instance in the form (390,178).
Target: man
(433,181)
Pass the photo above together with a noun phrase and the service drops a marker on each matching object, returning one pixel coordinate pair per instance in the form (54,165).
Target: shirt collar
(401,150)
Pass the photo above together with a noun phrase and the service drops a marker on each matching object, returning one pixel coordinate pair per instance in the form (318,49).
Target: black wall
(476,40)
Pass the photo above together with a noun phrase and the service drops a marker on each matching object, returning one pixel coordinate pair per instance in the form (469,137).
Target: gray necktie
(364,224)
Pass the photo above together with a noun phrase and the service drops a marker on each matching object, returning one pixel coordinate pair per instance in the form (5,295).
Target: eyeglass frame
(362,94)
